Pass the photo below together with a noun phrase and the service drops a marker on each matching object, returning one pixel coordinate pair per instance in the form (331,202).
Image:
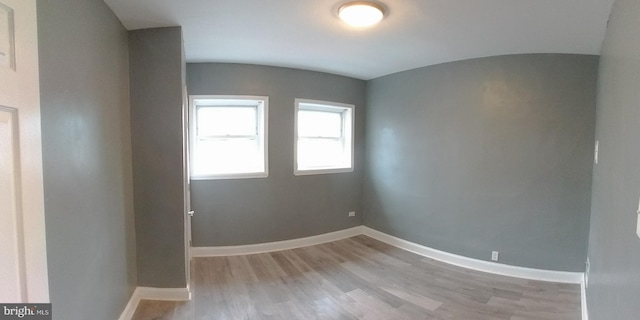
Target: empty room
(326,159)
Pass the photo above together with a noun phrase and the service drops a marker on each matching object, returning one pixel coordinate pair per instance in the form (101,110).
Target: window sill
(252,175)
(308,172)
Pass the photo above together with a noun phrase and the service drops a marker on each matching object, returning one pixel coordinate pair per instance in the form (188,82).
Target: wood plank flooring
(358,278)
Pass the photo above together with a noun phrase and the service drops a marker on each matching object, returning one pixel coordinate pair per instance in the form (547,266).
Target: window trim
(263,123)
(349,134)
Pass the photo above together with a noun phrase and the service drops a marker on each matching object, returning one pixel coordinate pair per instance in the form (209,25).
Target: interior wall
(486,154)
(614,247)
(84,86)
(157,65)
(281,206)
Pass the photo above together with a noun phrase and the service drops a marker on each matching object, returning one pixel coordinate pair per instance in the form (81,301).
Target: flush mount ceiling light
(361,13)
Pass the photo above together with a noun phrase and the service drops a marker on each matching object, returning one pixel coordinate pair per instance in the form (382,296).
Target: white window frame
(263,127)
(348,136)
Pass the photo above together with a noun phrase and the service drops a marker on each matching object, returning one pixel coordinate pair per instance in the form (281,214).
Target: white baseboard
(450,258)
(474,264)
(147,293)
(183,294)
(199,252)
(130,309)
(164,294)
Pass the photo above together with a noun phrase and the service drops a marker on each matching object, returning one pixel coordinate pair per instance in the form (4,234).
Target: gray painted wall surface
(156,128)
(84,83)
(282,206)
(614,247)
(486,154)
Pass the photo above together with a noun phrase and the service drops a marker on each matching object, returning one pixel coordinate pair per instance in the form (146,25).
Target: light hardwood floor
(358,278)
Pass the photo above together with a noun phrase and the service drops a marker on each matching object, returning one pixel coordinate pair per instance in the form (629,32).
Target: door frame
(186,185)
(21,86)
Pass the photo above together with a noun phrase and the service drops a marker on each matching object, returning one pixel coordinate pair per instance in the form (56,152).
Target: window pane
(235,121)
(319,124)
(223,156)
(320,153)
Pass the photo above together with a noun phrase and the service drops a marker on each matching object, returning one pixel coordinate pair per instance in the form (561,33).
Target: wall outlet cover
(494,255)
(352,214)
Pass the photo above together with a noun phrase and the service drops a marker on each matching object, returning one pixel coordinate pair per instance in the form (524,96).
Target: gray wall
(282,206)
(84,83)
(486,154)
(614,247)
(156,123)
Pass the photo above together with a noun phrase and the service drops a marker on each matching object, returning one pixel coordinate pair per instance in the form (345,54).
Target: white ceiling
(307,34)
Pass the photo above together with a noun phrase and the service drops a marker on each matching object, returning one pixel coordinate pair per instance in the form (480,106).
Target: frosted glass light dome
(361,13)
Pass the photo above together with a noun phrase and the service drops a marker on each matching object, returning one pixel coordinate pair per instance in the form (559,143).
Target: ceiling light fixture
(361,13)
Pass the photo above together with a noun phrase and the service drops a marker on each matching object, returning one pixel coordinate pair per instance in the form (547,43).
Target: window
(323,137)
(228,137)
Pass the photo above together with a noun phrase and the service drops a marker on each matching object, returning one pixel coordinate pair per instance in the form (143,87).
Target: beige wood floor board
(358,278)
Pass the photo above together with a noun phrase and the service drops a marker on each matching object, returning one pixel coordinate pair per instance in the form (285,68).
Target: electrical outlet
(494,255)
(352,214)
(595,154)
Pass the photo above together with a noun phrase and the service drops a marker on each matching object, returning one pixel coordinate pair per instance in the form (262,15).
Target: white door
(23,260)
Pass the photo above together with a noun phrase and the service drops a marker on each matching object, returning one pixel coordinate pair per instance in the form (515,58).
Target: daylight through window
(324,137)
(228,137)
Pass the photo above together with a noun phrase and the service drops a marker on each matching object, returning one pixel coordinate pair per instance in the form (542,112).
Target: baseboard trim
(201,252)
(132,305)
(450,258)
(474,264)
(164,294)
(184,294)
(148,293)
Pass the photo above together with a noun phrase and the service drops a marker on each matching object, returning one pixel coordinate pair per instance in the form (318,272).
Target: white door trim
(21,91)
